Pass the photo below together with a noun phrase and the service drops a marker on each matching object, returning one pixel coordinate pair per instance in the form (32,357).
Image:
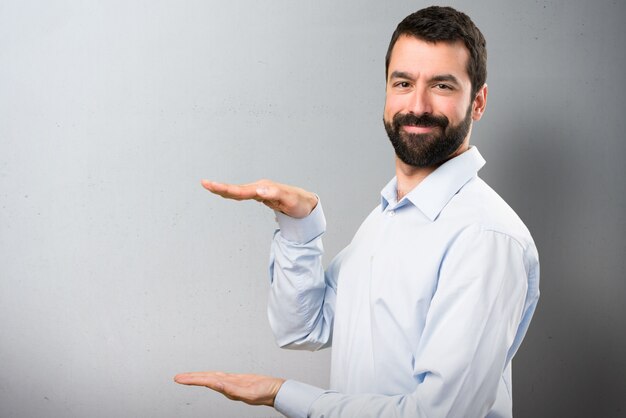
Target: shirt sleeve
(472,330)
(294,398)
(302,298)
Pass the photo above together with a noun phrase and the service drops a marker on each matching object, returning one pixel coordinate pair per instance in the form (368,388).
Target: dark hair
(434,24)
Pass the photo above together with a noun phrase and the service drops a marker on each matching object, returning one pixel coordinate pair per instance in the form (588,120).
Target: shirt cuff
(294,398)
(302,230)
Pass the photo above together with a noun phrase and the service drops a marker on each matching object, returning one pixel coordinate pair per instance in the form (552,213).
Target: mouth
(415,129)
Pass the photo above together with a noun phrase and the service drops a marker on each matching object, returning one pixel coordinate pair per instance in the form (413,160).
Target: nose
(420,103)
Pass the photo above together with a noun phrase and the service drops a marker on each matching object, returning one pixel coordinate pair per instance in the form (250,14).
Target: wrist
(275,388)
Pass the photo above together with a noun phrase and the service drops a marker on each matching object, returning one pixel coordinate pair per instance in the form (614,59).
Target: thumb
(262,191)
(266,192)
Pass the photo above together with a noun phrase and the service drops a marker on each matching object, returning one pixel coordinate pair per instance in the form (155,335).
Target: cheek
(454,110)
(393,105)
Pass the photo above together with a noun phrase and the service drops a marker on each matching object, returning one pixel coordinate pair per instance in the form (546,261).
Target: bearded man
(428,304)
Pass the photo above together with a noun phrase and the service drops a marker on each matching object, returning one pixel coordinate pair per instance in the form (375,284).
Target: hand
(252,389)
(290,200)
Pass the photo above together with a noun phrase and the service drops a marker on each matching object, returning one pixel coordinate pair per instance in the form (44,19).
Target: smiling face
(428,109)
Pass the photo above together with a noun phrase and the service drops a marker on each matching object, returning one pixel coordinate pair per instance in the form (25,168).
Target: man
(430,301)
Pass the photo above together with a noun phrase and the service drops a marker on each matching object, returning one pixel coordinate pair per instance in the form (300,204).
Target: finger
(271,196)
(233,386)
(268,192)
(231,191)
(198,375)
(212,380)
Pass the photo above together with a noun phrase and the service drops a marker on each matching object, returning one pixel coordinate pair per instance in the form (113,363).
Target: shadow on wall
(572,361)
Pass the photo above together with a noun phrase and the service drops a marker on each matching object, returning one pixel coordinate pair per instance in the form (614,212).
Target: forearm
(300,400)
(300,302)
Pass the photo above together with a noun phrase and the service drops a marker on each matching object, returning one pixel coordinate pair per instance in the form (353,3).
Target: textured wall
(117,270)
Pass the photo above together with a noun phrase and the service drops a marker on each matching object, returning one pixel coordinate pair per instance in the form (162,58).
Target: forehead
(415,56)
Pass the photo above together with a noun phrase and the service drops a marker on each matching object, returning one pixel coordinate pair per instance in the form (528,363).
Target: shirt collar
(436,190)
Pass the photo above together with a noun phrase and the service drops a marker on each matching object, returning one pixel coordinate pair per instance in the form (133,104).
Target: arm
(475,323)
(296,249)
(487,292)
(478,316)
(301,300)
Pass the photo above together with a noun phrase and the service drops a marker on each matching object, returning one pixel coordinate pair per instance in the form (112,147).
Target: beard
(429,149)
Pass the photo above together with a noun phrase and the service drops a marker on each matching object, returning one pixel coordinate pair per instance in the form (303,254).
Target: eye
(402,84)
(442,86)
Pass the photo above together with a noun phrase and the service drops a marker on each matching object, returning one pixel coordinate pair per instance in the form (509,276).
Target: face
(428,112)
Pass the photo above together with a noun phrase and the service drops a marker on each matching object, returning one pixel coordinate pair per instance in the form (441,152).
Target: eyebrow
(401,74)
(445,77)
(435,79)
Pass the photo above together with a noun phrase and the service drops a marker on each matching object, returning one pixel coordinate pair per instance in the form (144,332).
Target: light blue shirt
(424,309)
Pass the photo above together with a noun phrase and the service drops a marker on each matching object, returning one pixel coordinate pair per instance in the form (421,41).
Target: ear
(480,102)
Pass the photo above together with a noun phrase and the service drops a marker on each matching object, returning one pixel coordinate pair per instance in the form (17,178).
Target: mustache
(423,120)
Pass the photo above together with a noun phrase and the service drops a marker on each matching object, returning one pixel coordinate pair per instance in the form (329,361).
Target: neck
(409,177)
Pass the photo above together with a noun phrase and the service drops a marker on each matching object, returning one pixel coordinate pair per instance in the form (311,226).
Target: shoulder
(478,209)
(488,234)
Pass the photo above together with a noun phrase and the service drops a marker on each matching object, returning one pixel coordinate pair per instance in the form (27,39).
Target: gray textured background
(117,270)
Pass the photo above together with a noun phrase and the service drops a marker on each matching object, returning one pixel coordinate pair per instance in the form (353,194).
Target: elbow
(305,343)
(291,336)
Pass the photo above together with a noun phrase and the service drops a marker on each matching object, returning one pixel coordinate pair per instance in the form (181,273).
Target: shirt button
(392,213)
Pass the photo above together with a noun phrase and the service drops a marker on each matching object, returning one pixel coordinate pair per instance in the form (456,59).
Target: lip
(411,129)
